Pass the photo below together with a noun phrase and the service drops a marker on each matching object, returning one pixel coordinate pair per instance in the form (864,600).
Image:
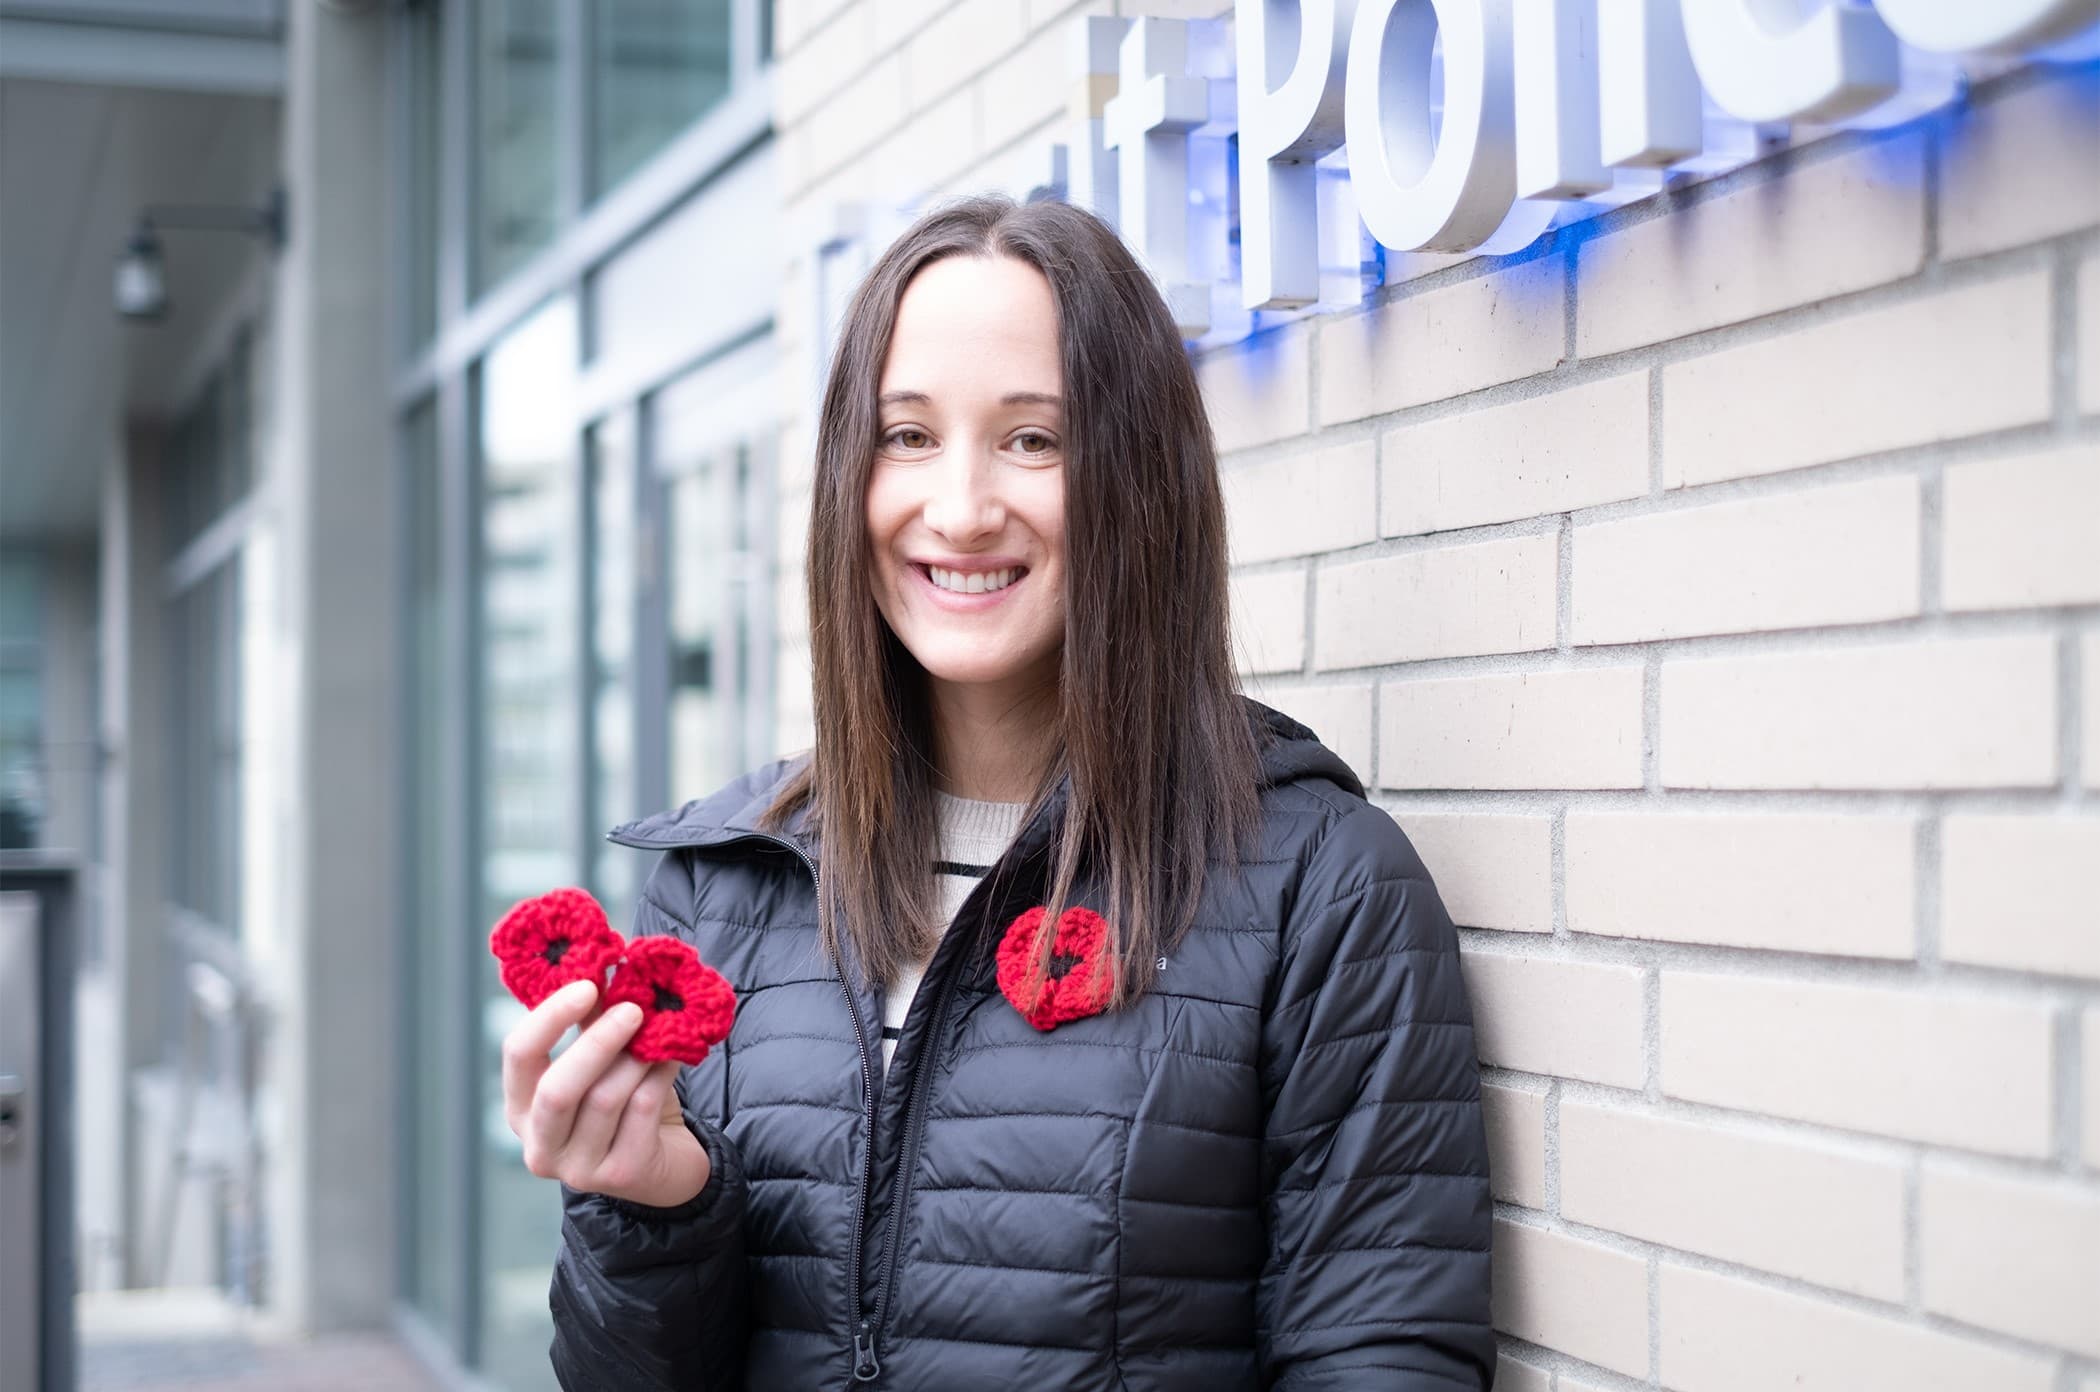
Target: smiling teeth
(972,581)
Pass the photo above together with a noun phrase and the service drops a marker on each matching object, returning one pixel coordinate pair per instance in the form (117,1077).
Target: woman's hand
(598,1119)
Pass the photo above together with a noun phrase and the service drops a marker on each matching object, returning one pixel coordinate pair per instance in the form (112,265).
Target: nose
(962,502)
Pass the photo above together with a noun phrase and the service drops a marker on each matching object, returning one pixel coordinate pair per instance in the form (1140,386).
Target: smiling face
(966,499)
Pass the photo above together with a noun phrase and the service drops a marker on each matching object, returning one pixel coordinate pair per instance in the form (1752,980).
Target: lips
(1079,982)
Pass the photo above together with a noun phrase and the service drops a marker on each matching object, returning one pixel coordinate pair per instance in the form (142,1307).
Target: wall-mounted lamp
(141,284)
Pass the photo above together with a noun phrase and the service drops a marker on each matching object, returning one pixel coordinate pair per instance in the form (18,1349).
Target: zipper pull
(865,1368)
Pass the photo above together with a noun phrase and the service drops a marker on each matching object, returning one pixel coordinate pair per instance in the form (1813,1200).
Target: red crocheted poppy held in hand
(552,939)
(687,1007)
(1072,989)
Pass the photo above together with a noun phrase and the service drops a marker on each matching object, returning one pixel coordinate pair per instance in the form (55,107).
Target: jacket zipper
(865,1366)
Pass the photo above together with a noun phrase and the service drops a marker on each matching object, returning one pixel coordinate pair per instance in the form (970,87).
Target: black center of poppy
(556,949)
(667,999)
(1062,962)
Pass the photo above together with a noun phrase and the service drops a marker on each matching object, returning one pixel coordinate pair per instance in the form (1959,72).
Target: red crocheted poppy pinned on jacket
(1073,988)
(687,1007)
(552,939)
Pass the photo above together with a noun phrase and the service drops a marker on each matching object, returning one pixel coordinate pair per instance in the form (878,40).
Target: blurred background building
(405,420)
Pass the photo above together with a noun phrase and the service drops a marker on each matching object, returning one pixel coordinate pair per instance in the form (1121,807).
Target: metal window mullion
(458,171)
(459,404)
(575,184)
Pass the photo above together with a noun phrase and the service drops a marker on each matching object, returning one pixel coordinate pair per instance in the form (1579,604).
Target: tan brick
(2089,1075)
(1259,390)
(1029,86)
(1574,1296)
(2018,1256)
(1825,229)
(2018,891)
(929,148)
(2019,531)
(959,43)
(1268,620)
(858,116)
(833,54)
(1799,1210)
(1700,877)
(1949,1068)
(1561,729)
(1514,1376)
(1939,713)
(1516,1132)
(1492,870)
(1442,343)
(795,20)
(1339,715)
(1447,601)
(1845,554)
(1721,1334)
(1323,500)
(2089,336)
(1959,363)
(1569,449)
(1549,1015)
(2020,168)
(897,20)
(2089,705)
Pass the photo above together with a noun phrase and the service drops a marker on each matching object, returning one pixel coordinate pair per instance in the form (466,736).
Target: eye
(908,437)
(1044,444)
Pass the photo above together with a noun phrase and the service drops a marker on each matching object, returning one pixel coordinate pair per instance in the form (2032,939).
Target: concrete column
(332,1057)
(124,995)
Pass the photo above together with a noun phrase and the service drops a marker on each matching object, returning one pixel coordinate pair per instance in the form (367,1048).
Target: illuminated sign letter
(1651,108)
(1283,129)
(1157,103)
(2002,26)
(1761,64)
(1419,190)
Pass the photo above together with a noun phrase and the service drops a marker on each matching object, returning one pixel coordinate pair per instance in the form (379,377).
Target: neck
(992,743)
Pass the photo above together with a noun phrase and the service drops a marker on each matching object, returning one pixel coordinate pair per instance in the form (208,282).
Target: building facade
(1696,555)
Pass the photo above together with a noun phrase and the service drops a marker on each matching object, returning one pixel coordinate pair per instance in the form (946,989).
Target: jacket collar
(1288,751)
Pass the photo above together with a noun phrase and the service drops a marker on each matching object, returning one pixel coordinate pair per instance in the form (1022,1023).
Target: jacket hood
(1287,750)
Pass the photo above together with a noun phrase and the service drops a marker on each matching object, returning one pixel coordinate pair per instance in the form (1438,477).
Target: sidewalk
(158,1341)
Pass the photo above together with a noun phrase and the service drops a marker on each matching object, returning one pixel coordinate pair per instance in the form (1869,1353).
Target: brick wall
(1710,591)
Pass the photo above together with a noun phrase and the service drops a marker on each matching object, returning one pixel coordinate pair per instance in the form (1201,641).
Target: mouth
(968,589)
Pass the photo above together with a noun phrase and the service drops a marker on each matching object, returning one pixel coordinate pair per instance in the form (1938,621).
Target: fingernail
(630,1013)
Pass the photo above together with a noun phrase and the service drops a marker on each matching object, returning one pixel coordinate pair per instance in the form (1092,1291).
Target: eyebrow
(1017,398)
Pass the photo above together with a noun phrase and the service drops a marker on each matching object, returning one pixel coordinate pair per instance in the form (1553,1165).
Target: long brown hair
(1150,723)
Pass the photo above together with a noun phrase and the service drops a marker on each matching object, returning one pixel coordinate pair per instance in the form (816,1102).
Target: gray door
(21,1302)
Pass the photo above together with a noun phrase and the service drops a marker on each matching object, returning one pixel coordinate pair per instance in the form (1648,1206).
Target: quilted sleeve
(1374,1160)
(654,1298)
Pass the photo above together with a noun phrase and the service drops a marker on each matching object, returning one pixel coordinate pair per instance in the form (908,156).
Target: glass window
(517,149)
(529,778)
(424,43)
(717,568)
(21,696)
(657,65)
(613,597)
(432,1257)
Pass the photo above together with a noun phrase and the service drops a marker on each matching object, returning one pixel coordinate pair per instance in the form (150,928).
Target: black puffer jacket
(1269,1171)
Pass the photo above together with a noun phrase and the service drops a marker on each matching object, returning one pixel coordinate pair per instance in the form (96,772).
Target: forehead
(974,326)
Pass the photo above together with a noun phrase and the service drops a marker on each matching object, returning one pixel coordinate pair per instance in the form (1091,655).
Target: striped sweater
(972,835)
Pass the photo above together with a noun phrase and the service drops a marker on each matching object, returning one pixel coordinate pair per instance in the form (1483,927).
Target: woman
(1226,1135)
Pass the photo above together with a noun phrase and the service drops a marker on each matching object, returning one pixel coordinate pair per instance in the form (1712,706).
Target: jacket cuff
(620,1232)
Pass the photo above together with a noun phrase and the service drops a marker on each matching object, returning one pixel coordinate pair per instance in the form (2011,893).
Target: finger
(638,1144)
(527,1047)
(552,1113)
(598,1119)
